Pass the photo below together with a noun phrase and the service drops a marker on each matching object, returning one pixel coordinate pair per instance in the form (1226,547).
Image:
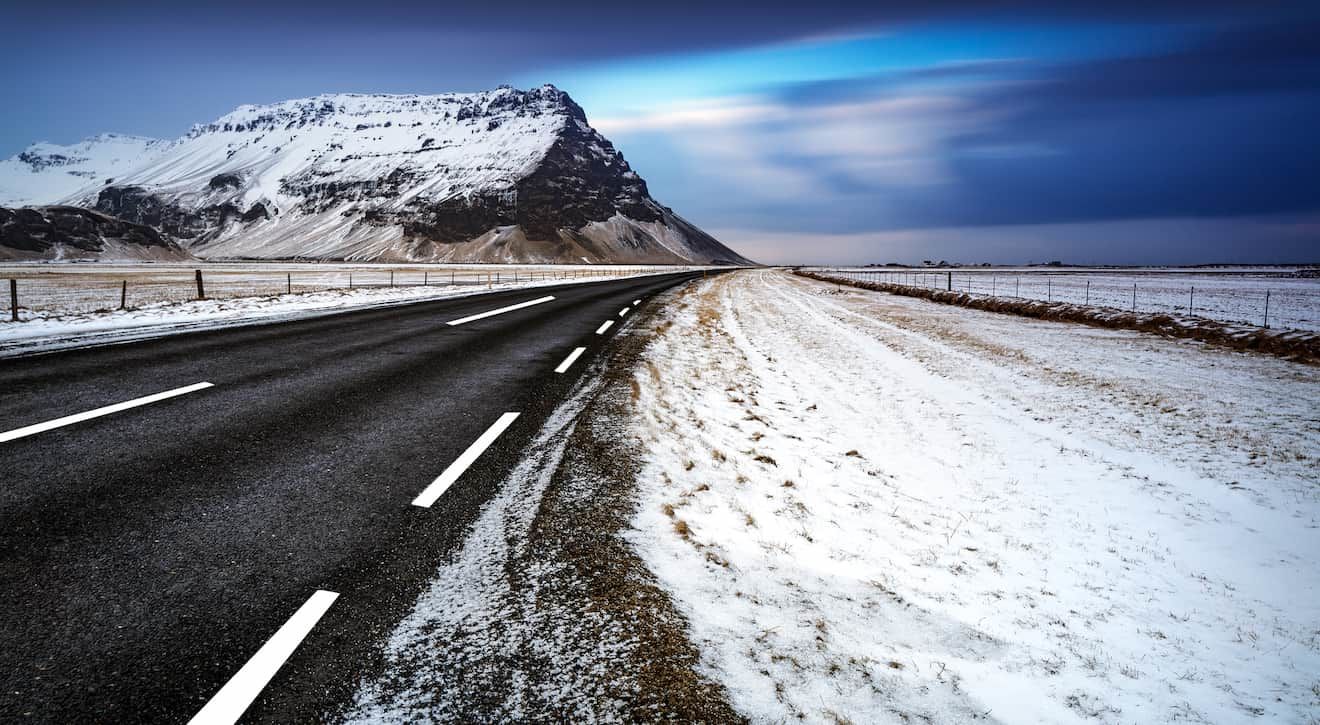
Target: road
(147,555)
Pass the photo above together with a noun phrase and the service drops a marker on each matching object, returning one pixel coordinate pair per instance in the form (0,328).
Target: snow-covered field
(64,305)
(874,508)
(1234,295)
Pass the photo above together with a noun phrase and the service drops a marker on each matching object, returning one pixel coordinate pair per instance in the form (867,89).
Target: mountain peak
(508,174)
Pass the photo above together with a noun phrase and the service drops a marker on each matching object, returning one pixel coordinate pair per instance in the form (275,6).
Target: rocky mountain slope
(45,173)
(72,233)
(503,175)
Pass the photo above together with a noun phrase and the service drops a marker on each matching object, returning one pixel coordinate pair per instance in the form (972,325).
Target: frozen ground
(873,508)
(70,305)
(1234,295)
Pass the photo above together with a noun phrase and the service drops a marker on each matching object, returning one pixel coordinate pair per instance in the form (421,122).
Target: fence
(87,289)
(1261,299)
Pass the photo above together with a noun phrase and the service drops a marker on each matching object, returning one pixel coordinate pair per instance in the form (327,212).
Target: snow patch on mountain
(44,173)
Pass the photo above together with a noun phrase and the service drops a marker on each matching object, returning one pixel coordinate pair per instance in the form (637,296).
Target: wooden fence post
(13,299)
(201,291)
(123,294)
(1267,309)
(288,283)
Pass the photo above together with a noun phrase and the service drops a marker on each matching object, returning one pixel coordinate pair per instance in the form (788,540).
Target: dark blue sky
(1152,132)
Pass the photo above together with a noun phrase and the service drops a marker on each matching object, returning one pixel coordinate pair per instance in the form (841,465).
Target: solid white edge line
(568,361)
(604,326)
(500,311)
(446,479)
(229,704)
(623,311)
(107,410)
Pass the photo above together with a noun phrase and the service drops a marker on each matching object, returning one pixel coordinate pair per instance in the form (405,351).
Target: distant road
(157,533)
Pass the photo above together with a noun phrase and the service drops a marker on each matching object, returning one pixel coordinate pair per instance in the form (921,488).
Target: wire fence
(1262,299)
(80,290)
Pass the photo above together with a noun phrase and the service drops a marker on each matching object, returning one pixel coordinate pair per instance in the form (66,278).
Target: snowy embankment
(1299,344)
(872,508)
(42,331)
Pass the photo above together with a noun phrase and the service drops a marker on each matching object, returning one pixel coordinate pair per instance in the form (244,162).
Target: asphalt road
(148,554)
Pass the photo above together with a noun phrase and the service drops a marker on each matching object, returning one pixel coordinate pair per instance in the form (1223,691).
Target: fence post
(1017,288)
(201,291)
(1088,292)
(13,299)
(288,283)
(451,278)
(1191,301)
(948,281)
(426,276)
(391,278)
(1267,309)
(350,280)
(123,294)
(1134,297)
(1049,290)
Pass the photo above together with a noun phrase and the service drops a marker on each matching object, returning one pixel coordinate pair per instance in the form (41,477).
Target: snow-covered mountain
(503,175)
(45,173)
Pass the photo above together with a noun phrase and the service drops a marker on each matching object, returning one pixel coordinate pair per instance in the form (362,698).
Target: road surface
(151,552)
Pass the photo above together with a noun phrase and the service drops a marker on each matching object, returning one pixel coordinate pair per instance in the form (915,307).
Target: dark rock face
(44,161)
(135,204)
(573,187)
(41,229)
(226,181)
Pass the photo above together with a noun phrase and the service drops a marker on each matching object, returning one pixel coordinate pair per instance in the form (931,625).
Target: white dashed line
(234,698)
(623,311)
(636,302)
(500,311)
(604,326)
(456,469)
(568,361)
(107,410)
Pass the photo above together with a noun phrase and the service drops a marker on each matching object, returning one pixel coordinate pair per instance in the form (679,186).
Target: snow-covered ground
(874,508)
(76,304)
(1233,295)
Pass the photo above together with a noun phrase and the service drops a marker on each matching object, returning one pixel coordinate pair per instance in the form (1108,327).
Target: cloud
(1218,128)
(699,113)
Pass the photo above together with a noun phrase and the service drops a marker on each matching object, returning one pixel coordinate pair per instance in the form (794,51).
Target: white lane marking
(107,410)
(460,464)
(636,302)
(568,361)
(604,326)
(234,698)
(500,311)
(623,311)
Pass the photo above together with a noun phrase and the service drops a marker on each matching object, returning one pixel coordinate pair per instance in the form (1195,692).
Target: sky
(1156,132)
